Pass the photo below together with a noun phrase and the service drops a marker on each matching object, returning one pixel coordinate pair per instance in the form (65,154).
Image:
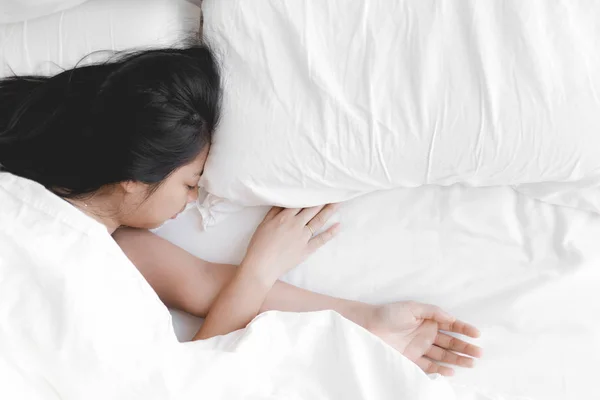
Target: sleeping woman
(122,145)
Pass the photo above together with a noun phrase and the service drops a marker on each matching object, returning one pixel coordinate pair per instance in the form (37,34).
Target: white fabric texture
(77,320)
(524,272)
(61,40)
(214,209)
(583,195)
(12,11)
(331,99)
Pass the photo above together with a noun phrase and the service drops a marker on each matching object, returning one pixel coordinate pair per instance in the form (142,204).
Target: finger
(438,354)
(451,343)
(272,213)
(322,238)
(309,213)
(428,311)
(461,327)
(433,368)
(322,217)
(290,212)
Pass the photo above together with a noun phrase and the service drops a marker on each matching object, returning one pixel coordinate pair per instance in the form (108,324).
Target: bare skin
(141,205)
(190,284)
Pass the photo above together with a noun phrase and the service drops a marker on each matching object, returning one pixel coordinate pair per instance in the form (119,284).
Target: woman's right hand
(285,238)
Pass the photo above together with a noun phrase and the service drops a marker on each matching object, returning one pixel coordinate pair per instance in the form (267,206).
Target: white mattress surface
(38,46)
(523,271)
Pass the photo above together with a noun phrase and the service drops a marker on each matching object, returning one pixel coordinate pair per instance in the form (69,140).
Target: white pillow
(327,100)
(61,40)
(22,10)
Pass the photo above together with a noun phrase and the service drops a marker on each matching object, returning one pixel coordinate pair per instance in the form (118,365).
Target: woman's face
(171,198)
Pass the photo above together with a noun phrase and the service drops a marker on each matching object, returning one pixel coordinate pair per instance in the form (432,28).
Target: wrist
(254,272)
(359,313)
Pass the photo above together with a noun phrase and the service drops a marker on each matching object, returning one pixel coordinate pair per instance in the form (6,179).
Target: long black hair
(137,117)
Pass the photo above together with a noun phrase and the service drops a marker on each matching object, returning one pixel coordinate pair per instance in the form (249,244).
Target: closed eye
(191,187)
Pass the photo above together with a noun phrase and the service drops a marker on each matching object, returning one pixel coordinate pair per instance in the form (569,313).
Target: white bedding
(42,45)
(20,10)
(78,321)
(327,100)
(523,271)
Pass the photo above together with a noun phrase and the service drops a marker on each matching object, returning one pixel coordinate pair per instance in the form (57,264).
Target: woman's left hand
(415,330)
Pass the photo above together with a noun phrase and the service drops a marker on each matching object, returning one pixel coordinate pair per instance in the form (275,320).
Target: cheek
(161,206)
(169,203)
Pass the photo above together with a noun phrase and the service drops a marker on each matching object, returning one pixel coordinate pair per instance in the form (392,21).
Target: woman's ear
(133,187)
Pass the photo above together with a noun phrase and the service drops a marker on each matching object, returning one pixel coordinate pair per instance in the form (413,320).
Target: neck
(101,211)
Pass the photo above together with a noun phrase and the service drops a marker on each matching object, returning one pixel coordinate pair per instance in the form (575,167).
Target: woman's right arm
(190,284)
(234,297)
(282,241)
(238,302)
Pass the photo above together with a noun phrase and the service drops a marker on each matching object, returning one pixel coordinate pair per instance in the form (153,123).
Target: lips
(176,215)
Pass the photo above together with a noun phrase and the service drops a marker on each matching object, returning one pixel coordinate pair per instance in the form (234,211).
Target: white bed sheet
(523,271)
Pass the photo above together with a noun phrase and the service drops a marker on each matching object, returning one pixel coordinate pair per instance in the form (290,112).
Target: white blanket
(78,321)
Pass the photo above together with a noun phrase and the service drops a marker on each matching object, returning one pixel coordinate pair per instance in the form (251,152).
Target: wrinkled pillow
(21,10)
(328,100)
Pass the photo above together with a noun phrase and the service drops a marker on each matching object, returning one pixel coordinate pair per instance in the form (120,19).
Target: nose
(193,195)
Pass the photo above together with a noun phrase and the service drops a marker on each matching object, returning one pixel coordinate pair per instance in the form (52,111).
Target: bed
(524,271)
